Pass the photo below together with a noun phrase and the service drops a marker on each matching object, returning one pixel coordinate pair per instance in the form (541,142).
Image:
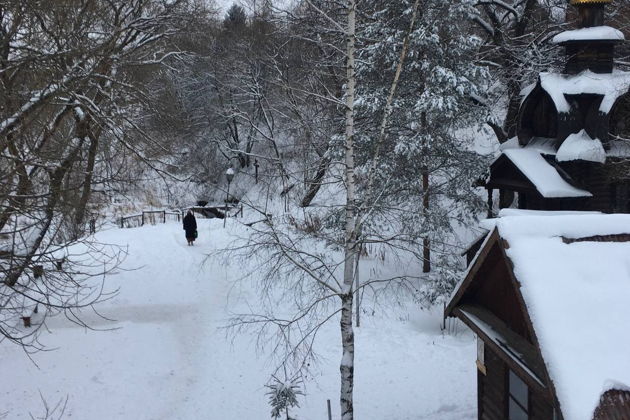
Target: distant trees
(252,94)
(235,18)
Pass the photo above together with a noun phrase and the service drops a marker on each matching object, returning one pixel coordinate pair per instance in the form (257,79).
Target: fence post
(164,216)
(142,224)
(122,222)
(329,410)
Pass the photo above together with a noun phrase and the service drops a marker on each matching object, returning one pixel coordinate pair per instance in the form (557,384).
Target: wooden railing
(153,217)
(149,217)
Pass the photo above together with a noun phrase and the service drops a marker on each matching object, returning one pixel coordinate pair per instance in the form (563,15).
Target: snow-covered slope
(166,357)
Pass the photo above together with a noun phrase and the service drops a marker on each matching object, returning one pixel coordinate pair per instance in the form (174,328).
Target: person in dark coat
(190,226)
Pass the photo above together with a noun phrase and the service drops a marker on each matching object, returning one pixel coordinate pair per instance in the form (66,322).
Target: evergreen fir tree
(422,187)
(283,396)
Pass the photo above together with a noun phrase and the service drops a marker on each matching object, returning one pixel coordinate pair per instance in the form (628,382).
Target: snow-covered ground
(165,355)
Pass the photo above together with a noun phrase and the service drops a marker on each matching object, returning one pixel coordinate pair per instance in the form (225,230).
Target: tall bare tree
(72,91)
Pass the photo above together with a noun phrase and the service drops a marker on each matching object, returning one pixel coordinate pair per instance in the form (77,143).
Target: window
(518,398)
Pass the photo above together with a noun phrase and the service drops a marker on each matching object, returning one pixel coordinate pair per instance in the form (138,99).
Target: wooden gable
(537,116)
(490,284)
(489,302)
(505,175)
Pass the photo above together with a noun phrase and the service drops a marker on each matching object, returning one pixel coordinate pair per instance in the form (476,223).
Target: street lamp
(229,175)
(256,165)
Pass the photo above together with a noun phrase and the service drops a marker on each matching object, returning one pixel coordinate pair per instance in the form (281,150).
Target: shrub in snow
(282,396)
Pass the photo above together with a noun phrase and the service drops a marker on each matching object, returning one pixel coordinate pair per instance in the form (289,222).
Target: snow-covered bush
(283,396)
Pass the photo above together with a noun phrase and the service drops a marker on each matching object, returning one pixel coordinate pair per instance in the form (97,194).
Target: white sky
(223,5)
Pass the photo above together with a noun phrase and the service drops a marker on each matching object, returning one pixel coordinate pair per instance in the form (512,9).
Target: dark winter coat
(190,226)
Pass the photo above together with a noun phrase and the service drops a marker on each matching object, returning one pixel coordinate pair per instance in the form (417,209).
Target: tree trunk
(514,105)
(347,359)
(347,333)
(56,182)
(316,182)
(23,187)
(426,250)
(87,184)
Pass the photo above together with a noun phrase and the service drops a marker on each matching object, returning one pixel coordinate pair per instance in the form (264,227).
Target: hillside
(164,354)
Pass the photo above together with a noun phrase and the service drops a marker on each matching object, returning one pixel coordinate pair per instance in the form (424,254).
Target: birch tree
(313,255)
(350,233)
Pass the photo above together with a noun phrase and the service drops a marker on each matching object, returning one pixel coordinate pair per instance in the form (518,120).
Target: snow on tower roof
(610,85)
(542,175)
(580,146)
(547,146)
(598,33)
(577,295)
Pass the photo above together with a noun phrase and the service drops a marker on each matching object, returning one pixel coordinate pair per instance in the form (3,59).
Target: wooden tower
(573,132)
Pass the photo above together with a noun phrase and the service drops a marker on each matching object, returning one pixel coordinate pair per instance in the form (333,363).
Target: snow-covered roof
(526,91)
(610,85)
(489,224)
(509,144)
(600,33)
(580,146)
(542,175)
(545,146)
(577,297)
(507,212)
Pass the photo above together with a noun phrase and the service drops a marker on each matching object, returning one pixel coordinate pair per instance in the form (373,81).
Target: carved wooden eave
(578,2)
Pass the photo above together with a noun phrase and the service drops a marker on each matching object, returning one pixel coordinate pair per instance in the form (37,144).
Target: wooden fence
(149,217)
(211,211)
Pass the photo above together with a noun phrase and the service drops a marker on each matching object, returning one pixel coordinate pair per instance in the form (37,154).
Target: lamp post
(256,166)
(229,175)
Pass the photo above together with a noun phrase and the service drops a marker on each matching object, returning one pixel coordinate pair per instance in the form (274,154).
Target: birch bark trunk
(347,333)
(426,245)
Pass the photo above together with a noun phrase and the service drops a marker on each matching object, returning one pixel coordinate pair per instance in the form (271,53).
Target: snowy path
(167,358)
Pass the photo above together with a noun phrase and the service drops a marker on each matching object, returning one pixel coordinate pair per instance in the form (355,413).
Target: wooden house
(573,129)
(548,298)
(547,290)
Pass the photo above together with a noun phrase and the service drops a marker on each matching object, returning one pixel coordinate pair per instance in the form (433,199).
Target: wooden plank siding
(539,407)
(596,178)
(613,405)
(492,388)
(493,393)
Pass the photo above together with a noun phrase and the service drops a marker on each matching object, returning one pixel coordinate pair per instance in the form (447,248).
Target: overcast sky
(225,4)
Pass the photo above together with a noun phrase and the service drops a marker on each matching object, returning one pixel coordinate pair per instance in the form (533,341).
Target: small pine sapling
(283,396)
